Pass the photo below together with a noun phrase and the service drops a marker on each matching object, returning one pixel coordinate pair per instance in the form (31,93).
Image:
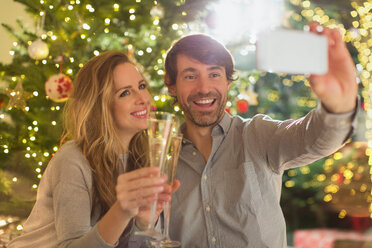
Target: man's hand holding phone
(337,89)
(321,53)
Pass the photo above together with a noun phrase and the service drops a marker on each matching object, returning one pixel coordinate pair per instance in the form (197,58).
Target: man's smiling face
(201,90)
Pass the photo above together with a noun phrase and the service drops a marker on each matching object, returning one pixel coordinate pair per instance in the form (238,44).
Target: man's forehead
(186,63)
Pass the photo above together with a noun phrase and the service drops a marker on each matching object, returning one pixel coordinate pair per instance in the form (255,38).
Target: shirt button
(194,153)
(214,240)
(208,209)
(205,177)
(184,141)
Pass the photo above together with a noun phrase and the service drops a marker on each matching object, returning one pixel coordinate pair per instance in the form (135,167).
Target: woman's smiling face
(132,100)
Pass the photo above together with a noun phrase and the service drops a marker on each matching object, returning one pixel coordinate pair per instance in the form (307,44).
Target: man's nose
(203,86)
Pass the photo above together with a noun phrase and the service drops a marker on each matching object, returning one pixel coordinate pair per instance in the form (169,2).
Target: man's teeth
(207,101)
(140,113)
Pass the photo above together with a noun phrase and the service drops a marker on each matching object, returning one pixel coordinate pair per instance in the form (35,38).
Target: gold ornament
(17,96)
(252,97)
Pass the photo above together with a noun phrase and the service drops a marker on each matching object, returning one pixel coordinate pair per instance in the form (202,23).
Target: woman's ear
(171,87)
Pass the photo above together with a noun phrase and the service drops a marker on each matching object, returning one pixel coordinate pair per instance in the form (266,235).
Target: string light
(175,26)
(86,26)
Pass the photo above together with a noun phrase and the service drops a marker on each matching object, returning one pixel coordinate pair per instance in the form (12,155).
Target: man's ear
(171,87)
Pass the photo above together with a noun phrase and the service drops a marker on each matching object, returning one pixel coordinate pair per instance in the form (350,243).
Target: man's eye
(214,75)
(142,86)
(190,77)
(124,93)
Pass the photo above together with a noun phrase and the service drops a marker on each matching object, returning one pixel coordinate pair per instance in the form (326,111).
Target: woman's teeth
(140,113)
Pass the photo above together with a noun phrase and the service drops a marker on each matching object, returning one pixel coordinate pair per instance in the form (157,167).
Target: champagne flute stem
(166,220)
(152,215)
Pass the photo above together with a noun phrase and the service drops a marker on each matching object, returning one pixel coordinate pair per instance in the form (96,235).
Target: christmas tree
(69,32)
(46,60)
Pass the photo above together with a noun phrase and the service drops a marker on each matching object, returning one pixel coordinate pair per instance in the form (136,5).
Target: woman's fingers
(137,202)
(141,187)
(164,197)
(139,173)
(175,185)
(140,183)
(141,193)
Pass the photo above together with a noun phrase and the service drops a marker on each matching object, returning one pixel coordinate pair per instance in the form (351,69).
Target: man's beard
(200,118)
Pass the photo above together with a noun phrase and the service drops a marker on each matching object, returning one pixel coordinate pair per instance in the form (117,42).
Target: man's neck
(201,137)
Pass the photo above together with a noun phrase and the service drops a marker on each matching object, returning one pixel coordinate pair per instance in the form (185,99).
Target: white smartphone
(292,52)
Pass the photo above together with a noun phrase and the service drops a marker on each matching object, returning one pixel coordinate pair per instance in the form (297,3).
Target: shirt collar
(221,128)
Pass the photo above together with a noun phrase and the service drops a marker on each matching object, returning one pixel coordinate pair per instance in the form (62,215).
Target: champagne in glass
(170,170)
(159,129)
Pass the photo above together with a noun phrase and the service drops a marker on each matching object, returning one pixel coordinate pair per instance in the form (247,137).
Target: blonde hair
(89,122)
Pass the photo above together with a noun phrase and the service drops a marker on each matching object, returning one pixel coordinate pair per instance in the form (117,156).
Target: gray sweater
(61,216)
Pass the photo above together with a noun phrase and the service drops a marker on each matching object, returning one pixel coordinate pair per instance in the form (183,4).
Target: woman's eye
(142,86)
(124,93)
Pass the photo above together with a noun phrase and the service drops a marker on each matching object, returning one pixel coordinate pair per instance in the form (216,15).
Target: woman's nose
(142,97)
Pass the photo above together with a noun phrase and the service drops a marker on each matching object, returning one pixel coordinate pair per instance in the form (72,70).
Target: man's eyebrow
(188,69)
(211,68)
(215,67)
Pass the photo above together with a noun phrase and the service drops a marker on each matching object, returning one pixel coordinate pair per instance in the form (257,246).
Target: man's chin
(204,121)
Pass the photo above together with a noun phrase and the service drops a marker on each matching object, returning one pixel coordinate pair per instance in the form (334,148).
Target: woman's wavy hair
(89,122)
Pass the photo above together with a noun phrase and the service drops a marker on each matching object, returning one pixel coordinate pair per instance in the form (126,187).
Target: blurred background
(326,204)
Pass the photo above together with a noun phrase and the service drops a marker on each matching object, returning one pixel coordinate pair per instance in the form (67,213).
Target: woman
(94,190)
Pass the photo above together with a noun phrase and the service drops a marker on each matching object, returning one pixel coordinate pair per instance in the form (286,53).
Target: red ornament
(1,102)
(228,110)
(58,87)
(242,106)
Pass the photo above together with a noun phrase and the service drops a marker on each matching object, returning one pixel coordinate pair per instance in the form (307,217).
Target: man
(230,168)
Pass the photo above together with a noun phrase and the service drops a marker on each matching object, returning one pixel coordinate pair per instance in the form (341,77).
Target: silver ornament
(38,50)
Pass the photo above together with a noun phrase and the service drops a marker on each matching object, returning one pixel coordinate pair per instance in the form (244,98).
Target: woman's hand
(143,216)
(138,189)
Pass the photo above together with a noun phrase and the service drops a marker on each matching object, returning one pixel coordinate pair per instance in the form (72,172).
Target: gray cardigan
(61,216)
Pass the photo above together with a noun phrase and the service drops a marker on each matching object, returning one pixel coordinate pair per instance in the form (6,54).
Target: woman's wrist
(140,225)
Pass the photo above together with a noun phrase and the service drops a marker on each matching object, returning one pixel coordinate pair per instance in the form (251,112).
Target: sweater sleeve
(71,182)
(62,215)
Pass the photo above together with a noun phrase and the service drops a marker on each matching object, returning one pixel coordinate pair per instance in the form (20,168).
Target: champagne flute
(170,170)
(159,129)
